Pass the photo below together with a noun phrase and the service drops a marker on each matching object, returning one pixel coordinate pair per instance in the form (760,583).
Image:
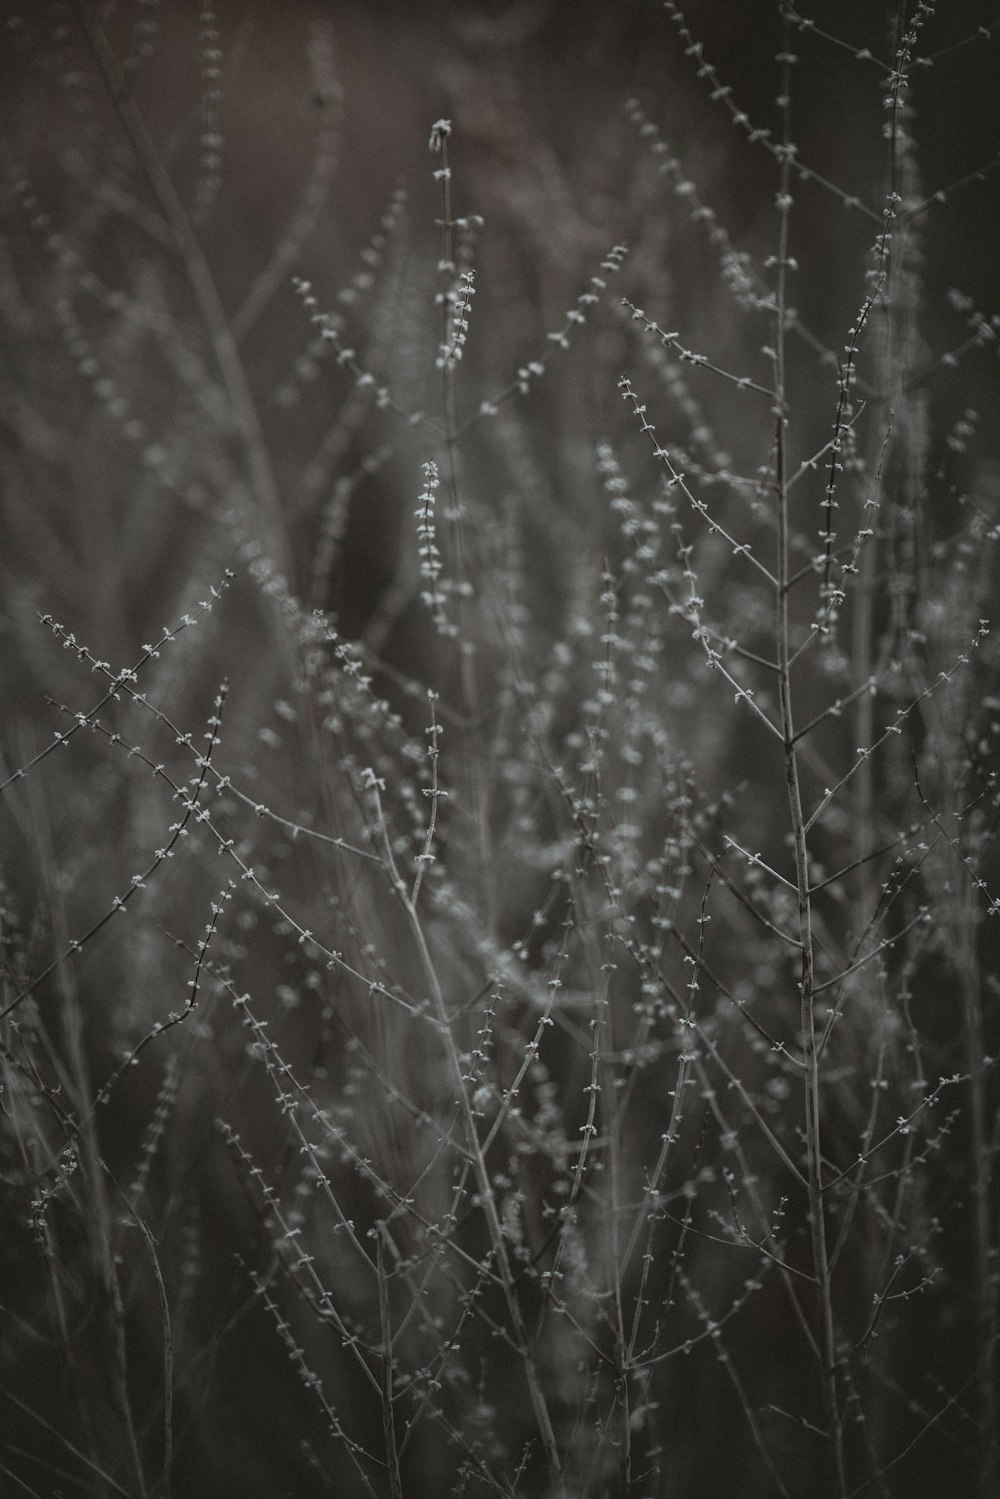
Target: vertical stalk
(817,1226)
(385,1325)
(479,785)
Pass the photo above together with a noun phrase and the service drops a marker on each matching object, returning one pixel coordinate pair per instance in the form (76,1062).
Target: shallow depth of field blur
(501,718)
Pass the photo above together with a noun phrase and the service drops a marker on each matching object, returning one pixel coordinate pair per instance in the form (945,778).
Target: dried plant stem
(807,978)
(385,1324)
(484,1185)
(486,1192)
